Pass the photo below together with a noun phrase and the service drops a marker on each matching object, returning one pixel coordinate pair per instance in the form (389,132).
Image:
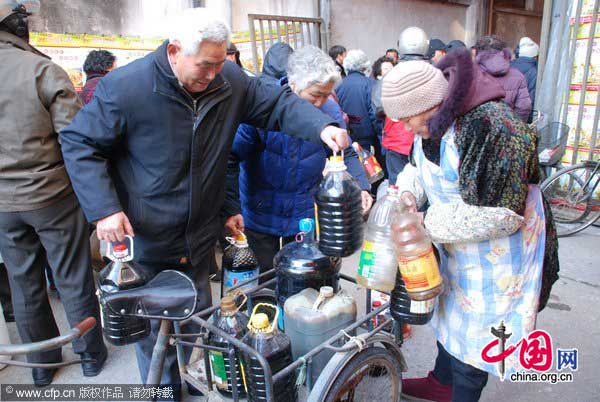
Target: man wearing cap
(437,50)
(526,63)
(475,162)
(40,217)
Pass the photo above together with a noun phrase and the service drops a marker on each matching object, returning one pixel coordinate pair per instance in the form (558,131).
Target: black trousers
(170,375)
(59,233)
(467,381)
(265,246)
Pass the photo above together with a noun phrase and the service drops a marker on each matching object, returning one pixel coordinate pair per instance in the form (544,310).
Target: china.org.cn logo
(536,357)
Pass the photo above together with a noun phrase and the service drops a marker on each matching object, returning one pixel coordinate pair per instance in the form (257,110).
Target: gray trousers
(170,375)
(58,233)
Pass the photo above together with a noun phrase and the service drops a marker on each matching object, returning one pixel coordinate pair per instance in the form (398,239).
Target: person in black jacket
(148,155)
(338,54)
(526,63)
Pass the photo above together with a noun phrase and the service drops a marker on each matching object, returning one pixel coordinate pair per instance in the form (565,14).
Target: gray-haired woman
(279,174)
(354,94)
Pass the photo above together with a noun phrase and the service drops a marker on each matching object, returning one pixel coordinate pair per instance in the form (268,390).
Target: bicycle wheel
(573,197)
(373,374)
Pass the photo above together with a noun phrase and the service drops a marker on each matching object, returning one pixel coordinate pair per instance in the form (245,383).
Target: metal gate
(569,90)
(295,31)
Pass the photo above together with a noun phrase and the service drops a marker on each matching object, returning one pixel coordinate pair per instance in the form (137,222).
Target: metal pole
(586,70)
(158,354)
(270,32)
(595,128)
(544,42)
(253,41)
(572,42)
(262,38)
(179,349)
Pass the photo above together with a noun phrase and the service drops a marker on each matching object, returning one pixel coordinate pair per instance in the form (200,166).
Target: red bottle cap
(376,303)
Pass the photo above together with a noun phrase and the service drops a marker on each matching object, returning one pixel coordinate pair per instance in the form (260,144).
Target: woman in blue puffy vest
(279,174)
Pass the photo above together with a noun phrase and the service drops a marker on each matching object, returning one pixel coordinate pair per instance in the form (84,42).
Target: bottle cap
(260,321)
(306,225)
(228,304)
(376,303)
(326,291)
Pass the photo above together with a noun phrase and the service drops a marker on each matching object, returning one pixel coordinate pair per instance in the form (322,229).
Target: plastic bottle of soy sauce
(300,265)
(276,348)
(232,321)
(119,275)
(339,211)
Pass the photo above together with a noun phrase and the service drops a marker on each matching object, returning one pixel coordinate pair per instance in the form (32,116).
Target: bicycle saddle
(170,295)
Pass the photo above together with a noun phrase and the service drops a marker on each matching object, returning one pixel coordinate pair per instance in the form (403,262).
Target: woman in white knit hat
(475,162)
(526,63)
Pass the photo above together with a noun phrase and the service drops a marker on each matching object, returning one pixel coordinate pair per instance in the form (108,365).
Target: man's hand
(367,201)
(336,138)
(114,227)
(235,224)
(409,201)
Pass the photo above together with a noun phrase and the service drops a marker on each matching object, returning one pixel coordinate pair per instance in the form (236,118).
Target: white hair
(357,60)
(190,31)
(311,66)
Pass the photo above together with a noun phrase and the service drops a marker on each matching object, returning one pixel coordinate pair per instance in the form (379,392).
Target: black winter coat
(145,147)
(527,66)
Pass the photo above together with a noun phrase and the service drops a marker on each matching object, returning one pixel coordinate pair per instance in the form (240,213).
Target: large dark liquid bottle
(339,211)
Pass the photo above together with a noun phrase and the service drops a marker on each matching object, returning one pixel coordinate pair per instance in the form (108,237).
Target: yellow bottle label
(420,273)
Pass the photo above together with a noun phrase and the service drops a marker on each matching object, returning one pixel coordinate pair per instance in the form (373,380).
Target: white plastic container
(312,317)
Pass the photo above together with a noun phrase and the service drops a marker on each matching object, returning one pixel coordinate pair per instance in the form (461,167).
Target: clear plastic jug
(378,265)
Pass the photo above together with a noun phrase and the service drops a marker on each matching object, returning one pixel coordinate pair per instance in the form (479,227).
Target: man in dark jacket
(354,94)
(97,64)
(40,217)
(148,155)
(526,63)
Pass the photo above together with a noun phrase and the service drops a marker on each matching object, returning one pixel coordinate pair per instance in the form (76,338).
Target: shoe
(43,376)
(93,369)
(426,389)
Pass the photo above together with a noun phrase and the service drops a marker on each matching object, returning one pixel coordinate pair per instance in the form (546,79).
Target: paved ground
(572,318)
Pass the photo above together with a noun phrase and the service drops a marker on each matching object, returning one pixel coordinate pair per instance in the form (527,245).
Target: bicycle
(552,144)
(574,197)
(371,360)
(49,344)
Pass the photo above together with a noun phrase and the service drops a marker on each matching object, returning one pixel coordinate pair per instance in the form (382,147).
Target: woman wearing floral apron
(475,163)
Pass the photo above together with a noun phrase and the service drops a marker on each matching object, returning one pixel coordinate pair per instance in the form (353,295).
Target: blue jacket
(354,94)
(280,176)
(144,146)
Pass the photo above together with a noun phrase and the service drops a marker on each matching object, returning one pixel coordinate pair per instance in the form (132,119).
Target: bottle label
(420,273)
(231,279)
(366,264)
(422,307)
(371,166)
(217,363)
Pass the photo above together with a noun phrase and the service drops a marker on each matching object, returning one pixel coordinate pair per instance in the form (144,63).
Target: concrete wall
(374,25)
(109,17)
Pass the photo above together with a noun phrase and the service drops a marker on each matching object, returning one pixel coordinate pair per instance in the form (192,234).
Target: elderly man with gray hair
(354,94)
(148,155)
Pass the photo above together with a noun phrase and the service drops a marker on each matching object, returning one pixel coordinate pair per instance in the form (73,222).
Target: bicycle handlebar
(49,344)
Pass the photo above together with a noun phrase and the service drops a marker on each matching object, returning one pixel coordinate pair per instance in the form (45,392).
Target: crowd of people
(176,146)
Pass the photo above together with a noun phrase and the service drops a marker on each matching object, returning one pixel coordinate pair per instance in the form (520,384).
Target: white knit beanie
(411,88)
(527,47)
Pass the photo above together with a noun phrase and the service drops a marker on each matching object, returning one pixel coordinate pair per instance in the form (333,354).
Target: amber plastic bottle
(416,259)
